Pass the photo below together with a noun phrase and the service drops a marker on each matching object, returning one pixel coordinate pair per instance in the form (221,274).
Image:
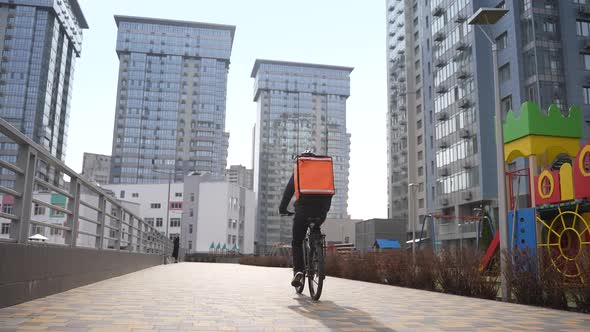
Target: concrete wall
(29,272)
(339,230)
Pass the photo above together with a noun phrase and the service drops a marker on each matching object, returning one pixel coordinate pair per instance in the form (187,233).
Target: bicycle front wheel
(316,275)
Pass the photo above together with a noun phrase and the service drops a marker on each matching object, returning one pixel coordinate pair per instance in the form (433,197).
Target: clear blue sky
(335,32)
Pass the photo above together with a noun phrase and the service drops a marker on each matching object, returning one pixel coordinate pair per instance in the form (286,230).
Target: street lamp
(412,188)
(488,16)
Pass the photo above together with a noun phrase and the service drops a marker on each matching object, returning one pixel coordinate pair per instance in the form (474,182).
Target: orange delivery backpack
(314,175)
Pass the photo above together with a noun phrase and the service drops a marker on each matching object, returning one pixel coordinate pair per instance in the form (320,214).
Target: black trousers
(300,224)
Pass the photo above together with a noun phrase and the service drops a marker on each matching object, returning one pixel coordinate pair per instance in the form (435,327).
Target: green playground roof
(532,121)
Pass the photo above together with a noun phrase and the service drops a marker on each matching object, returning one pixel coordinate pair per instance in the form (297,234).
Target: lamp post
(412,188)
(488,16)
(169,187)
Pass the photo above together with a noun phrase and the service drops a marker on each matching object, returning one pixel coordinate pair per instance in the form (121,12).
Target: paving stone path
(226,297)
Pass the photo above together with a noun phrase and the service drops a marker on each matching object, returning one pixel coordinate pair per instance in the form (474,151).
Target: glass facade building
(171,100)
(300,107)
(40,41)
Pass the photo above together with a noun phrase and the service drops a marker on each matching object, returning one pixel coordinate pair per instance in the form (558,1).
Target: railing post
(131,240)
(102,205)
(139,236)
(27,161)
(119,233)
(72,219)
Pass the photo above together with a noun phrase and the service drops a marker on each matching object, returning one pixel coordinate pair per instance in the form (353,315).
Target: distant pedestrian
(175,249)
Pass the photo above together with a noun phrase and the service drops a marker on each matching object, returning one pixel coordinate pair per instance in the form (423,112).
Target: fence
(41,193)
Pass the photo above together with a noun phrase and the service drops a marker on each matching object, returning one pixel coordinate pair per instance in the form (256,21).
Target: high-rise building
(96,167)
(447,73)
(171,99)
(40,40)
(241,176)
(300,106)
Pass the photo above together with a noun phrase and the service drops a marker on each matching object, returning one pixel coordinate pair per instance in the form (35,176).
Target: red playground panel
(490,252)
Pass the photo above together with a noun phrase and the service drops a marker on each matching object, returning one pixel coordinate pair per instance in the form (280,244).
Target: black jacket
(310,205)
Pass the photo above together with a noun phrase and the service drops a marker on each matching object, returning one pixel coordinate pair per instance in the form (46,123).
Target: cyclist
(306,207)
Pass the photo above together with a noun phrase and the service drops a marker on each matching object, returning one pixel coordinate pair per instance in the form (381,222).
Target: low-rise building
(367,231)
(96,167)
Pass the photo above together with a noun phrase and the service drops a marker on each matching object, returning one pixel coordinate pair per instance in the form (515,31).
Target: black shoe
(296,282)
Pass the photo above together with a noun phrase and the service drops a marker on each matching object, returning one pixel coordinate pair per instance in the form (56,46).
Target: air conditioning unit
(464,103)
(462,46)
(438,11)
(443,144)
(439,36)
(443,201)
(462,75)
(465,133)
(468,164)
(443,172)
(467,195)
(442,89)
(442,116)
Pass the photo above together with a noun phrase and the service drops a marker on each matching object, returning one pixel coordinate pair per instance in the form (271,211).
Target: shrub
(459,273)
(268,261)
(399,269)
(580,289)
(333,265)
(535,282)
(362,267)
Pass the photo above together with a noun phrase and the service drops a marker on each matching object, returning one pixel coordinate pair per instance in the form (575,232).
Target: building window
(7,208)
(190,229)
(155,205)
(504,72)
(421,203)
(420,171)
(149,221)
(5,229)
(421,187)
(135,195)
(420,155)
(178,195)
(419,139)
(586,61)
(419,124)
(501,4)
(583,28)
(159,222)
(122,194)
(174,222)
(586,91)
(549,26)
(39,210)
(190,245)
(191,213)
(176,205)
(506,104)
(502,41)
(192,197)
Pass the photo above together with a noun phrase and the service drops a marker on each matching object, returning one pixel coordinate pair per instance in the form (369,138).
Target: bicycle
(313,259)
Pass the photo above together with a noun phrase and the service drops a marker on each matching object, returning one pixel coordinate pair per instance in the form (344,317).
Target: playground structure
(554,219)
(557,217)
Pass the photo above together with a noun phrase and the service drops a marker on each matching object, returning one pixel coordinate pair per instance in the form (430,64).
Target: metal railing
(81,214)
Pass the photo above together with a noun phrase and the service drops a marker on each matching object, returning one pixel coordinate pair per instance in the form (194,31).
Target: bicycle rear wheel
(316,274)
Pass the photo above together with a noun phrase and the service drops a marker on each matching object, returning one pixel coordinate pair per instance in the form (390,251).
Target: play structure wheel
(565,238)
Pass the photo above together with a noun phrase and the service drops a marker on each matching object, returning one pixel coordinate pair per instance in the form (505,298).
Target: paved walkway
(220,297)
